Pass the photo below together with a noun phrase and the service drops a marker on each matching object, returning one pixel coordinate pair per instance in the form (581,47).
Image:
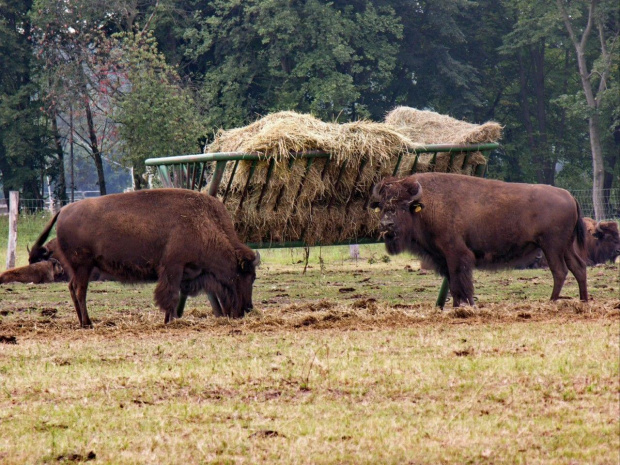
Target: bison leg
(559,270)
(168,289)
(181,305)
(215,304)
(78,288)
(460,271)
(577,266)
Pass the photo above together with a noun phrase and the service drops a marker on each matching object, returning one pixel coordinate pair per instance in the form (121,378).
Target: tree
(157,116)
(602,16)
(24,139)
(332,59)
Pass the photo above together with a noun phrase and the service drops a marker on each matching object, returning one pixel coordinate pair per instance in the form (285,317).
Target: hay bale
(428,127)
(318,201)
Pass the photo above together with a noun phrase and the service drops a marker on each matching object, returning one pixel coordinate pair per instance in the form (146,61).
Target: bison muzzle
(183,240)
(459,223)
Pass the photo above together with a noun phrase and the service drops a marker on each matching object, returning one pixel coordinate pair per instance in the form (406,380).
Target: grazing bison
(459,222)
(183,240)
(37,273)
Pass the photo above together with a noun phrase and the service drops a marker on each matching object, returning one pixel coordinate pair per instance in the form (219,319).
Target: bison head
(247,261)
(607,246)
(398,202)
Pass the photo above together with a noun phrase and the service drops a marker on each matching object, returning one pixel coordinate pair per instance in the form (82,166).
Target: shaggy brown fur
(181,239)
(602,241)
(37,273)
(460,222)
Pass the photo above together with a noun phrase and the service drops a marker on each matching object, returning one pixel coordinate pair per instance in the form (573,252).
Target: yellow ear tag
(377,210)
(418,209)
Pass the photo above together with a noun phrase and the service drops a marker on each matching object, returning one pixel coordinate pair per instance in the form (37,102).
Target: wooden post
(354,251)
(13,214)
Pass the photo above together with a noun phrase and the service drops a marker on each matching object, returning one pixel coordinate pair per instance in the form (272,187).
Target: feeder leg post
(443,294)
(181,305)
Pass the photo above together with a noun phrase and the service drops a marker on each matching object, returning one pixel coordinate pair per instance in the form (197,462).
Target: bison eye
(375,206)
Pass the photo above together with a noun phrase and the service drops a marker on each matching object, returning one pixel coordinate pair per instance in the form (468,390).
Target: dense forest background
(113,83)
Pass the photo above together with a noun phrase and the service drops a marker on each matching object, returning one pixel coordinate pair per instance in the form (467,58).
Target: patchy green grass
(348,363)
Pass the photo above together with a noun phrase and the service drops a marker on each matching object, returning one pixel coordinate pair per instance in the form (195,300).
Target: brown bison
(459,222)
(183,240)
(37,273)
(602,242)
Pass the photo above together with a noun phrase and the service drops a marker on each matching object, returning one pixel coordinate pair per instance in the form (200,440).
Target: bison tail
(38,252)
(580,227)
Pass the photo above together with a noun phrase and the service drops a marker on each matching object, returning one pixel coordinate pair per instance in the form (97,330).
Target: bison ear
(248,260)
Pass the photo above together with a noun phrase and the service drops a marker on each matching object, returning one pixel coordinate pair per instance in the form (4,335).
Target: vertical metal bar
(230,181)
(443,294)
(450,162)
(325,168)
(431,165)
(480,169)
(414,167)
(186,168)
(279,197)
(202,174)
(247,185)
(196,168)
(400,158)
(303,180)
(342,168)
(272,163)
(357,178)
(163,172)
(217,177)
(466,160)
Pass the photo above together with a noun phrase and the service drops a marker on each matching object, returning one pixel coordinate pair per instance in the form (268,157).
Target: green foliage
(24,140)
(157,115)
(263,56)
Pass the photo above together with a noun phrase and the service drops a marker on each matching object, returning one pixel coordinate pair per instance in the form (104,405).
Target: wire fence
(611,201)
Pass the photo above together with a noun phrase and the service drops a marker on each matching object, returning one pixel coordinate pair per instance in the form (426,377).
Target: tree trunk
(598,168)
(61,182)
(546,175)
(94,147)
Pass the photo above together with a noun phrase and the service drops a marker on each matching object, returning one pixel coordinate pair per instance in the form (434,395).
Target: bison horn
(598,228)
(256,261)
(28,249)
(416,191)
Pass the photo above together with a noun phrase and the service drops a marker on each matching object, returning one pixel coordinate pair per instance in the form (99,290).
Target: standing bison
(461,222)
(183,240)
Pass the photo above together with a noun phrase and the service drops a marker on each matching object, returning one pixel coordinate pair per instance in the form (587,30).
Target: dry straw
(326,201)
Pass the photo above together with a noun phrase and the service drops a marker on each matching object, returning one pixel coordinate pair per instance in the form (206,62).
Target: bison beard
(183,240)
(458,223)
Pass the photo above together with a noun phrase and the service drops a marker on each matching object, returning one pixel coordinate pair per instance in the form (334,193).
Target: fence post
(13,214)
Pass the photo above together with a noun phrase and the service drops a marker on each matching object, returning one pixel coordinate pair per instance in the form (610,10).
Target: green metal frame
(193,171)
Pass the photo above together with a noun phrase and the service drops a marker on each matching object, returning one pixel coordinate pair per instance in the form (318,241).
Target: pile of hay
(322,201)
(428,127)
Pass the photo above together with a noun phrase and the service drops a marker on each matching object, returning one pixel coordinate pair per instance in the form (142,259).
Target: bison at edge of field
(38,273)
(602,242)
(602,245)
(183,240)
(459,223)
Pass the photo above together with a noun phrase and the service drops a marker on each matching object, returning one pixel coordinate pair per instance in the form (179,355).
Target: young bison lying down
(37,273)
(181,239)
(461,222)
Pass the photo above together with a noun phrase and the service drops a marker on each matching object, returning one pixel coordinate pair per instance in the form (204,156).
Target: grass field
(349,363)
